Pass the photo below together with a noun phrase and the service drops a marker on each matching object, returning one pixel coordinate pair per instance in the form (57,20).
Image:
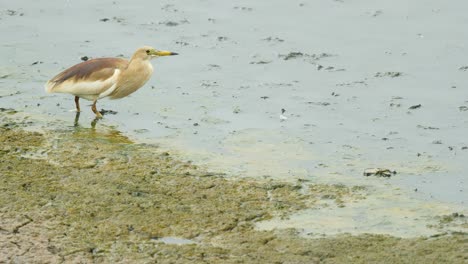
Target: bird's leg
(77,104)
(93,107)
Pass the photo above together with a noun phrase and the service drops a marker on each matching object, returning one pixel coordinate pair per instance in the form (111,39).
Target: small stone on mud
(84,58)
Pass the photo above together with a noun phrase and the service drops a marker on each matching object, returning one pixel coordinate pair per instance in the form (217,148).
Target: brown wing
(72,80)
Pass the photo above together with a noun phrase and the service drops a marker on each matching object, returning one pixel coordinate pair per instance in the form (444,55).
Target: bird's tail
(49,87)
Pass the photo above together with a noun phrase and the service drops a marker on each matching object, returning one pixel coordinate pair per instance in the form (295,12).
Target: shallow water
(219,102)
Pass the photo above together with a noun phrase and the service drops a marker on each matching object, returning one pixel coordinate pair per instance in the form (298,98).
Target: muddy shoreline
(93,195)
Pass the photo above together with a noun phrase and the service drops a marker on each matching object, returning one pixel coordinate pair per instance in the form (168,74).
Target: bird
(98,78)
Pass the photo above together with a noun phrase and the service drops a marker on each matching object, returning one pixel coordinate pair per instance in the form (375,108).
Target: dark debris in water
(169,8)
(330,68)
(427,127)
(108,112)
(463,68)
(379,172)
(273,39)
(116,19)
(182,43)
(11,94)
(11,12)
(297,55)
(243,8)
(377,13)
(8,110)
(170,23)
(456,216)
(352,83)
(260,62)
(174,23)
(415,107)
(292,55)
(388,74)
(319,103)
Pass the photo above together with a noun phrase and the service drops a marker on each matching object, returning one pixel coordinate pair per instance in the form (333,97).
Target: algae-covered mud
(92,195)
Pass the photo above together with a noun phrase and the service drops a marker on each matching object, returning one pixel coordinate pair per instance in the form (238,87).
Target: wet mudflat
(88,195)
(294,92)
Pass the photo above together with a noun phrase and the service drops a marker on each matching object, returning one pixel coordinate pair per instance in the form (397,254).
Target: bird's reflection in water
(94,122)
(77,119)
(108,133)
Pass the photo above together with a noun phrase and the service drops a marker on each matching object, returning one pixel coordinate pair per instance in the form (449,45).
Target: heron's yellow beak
(163,53)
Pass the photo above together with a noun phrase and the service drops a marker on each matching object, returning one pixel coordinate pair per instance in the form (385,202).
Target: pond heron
(106,77)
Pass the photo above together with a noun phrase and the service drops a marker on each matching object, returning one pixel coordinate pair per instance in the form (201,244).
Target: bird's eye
(147,51)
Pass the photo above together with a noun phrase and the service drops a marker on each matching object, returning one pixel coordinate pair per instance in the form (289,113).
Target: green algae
(95,196)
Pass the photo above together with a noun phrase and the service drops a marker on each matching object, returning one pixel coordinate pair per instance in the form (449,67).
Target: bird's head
(147,53)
